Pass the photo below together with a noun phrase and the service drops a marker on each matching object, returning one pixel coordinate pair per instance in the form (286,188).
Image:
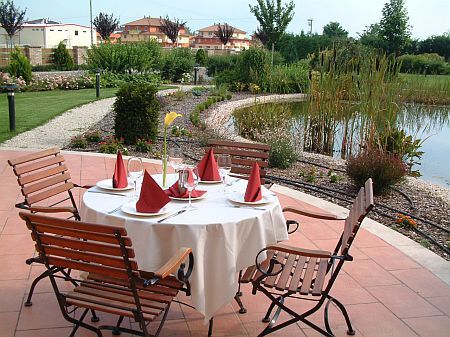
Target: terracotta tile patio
(386,292)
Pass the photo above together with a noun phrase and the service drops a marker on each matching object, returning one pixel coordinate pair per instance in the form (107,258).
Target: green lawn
(36,108)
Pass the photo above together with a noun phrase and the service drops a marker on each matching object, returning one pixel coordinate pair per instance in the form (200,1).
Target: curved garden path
(59,130)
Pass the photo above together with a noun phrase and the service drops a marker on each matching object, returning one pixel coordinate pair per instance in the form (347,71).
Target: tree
(224,33)
(394,27)
(105,25)
(439,44)
(273,18)
(171,28)
(371,37)
(11,18)
(61,58)
(334,30)
(262,36)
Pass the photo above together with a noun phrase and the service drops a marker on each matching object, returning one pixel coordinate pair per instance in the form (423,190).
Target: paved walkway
(386,291)
(59,130)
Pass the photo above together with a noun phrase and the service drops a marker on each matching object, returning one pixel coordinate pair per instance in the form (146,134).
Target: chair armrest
(43,209)
(316,215)
(174,263)
(299,251)
(83,186)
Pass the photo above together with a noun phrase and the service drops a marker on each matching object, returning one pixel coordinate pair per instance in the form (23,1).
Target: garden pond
(430,124)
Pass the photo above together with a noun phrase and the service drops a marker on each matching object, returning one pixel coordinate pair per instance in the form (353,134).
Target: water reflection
(341,136)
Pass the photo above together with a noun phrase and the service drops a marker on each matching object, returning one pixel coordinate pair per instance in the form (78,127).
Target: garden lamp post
(10,89)
(195,73)
(97,83)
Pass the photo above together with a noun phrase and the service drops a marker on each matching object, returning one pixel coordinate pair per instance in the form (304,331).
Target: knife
(111,193)
(172,215)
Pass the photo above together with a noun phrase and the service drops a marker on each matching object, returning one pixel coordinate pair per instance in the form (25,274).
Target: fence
(43,56)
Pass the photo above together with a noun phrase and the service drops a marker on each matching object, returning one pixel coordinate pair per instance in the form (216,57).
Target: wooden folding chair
(45,183)
(243,155)
(115,284)
(306,274)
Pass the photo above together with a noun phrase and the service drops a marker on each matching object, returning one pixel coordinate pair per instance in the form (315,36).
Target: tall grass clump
(426,89)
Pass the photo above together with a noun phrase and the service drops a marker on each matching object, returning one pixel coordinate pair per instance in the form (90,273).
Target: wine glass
(190,179)
(176,158)
(135,171)
(224,163)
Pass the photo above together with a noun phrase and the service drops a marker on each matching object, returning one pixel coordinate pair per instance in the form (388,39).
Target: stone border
(426,258)
(219,118)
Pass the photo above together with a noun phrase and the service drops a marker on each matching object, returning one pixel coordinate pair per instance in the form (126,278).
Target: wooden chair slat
(99,307)
(156,299)
(90,268)
(115,302)
(245,170)
(112,295)
(92,247)
(320,277)
(19,170)
(88,257)
(48,193)
(296,277)
(81,234)
(45,183)
(248,162)
(270,281)
(33,156)
(166,287)
(248,274)
(286,273)
(77,225)
(255,146)
(241,153)
(308,278)
(369,195)
(29,178)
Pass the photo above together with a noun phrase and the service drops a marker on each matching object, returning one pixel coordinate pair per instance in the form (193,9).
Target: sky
(427,17)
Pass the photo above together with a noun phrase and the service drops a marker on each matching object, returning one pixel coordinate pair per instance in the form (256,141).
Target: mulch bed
(424,203)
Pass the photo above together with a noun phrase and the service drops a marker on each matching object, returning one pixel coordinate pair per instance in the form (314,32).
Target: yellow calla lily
(170,117)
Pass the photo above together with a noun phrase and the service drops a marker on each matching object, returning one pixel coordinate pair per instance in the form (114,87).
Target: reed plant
(426,89)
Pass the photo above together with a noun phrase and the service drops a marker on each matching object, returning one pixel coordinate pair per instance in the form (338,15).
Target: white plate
(210,181)
(238,197)
(130,208)
(107,185)
(187,199)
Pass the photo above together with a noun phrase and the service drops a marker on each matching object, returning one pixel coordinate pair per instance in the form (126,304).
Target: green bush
(219,63)
(177,62)
(287,79)
(385,170)
(282,154)
(93,136)
(144,146)
(114,80)
(201,57)
(125,57)
(19,66)
(137,112)
(253,64)
(111,145)
(78,142)
(61,58)
(423,64)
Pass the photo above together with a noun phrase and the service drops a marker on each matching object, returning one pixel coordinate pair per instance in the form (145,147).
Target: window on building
(209,33)
(76,32)
(52,30)
(59,30)
(84,31)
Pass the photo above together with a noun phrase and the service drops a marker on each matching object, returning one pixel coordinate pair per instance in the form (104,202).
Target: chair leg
(239,292)
(77,325)
(94,317)
(242,309)
(116,331)
(210,327)
(341,307)
(45,274)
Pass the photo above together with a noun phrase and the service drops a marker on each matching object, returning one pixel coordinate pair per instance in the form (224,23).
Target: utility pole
(92,32)
(310,21)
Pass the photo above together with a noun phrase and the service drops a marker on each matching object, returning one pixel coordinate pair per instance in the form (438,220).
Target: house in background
(206,39)
(48,34)
(150,28)
(113,38)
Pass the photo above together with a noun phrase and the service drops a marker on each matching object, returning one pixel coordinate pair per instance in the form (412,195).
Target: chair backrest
(360,208)
(43,175)
(94,248)
(243,155)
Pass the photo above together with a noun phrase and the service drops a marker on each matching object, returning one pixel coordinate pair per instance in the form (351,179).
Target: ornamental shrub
(19,66)
(423,64)
(385,170)
(282,154)
(177,62)
(61,58)
(201,57)
(137,112)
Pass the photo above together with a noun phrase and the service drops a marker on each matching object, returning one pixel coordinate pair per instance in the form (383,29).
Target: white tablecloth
(224,239)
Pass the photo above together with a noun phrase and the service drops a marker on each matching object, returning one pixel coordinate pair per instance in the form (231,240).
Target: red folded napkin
(174,191)
(253,191)
(152,197)
(119,179)
(207,168)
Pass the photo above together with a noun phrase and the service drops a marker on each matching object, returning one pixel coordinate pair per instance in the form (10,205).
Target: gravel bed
(429,201)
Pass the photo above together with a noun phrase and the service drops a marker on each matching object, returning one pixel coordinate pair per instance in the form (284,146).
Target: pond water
(429,124)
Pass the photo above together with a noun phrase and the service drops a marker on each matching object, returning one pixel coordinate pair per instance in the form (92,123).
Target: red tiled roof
(213,28)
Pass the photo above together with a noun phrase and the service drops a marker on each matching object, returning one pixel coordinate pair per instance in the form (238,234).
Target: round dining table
(225,236)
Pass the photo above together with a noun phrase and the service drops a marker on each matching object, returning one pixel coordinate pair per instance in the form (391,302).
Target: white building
(48,34)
